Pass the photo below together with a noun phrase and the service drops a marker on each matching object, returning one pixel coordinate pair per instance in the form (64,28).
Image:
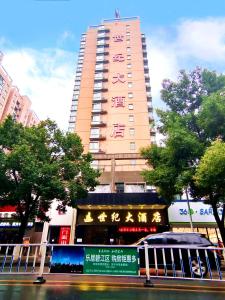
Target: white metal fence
(204,263)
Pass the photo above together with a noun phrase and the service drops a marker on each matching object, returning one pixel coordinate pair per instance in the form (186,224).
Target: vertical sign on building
(64,235)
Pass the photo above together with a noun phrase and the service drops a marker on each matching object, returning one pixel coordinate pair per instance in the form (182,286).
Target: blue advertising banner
(67,259)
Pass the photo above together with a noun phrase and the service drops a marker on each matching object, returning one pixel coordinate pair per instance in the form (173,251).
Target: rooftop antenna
(117,14)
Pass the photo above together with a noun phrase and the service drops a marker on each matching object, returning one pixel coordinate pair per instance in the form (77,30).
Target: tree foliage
(210,180)
(39,164)
(195,116)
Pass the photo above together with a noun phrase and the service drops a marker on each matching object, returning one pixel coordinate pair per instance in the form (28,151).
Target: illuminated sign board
(137,229)
(122,217)
(14,224)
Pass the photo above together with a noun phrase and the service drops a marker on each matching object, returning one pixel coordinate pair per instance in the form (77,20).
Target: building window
(129,75)
(132,131)
(72,119)
(130,95)
(96,118)
(135,188)
(102,188)
(100,58)
(74,107)
(131,118)
(119,187)
(94,164)
(128,41)
(133,162)
(128,49)
(94,146)
(73,114)
(128,33)
(95,132)
(129,66)
(130,84)
(98,85)
(132,146)
(130,106)
(97,106)
(97,96)
(128,57)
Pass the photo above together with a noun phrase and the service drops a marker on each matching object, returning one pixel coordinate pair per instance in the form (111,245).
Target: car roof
(171,233)
(176,233)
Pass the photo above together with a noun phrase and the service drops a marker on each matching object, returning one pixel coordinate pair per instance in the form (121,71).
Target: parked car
(179,251)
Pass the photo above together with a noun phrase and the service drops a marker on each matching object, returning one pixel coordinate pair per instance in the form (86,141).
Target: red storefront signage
(8,208)
(64,235)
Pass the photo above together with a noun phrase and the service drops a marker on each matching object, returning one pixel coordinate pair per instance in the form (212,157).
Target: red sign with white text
(64,235)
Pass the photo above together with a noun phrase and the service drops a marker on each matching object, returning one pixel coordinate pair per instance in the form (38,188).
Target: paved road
(60,287)
(84,292)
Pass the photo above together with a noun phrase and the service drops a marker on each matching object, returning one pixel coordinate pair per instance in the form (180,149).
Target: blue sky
(40,40)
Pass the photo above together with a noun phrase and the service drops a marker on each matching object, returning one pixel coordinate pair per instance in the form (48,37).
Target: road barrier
(196,263)
(204,263)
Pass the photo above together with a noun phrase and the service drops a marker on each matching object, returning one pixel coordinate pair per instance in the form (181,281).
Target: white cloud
(162,64)
(46,77)
(65,37)
(202,39)
(189,43)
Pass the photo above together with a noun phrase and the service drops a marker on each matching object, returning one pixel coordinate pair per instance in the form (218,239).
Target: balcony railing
(100,79)
(99,137)
(102,60)
(102,88)
(98,151)
(98,124)
(150,108)
(103,30)
(99,111)
(102,51)
(101,68)
(100,100)
(102,38)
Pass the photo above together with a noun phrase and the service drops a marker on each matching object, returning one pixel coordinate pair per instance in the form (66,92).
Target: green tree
(40,164)
(210,180)
(194,117)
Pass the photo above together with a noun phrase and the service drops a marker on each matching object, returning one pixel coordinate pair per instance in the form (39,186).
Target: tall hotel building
(112,113)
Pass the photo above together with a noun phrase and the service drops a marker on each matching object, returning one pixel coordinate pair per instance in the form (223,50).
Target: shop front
(201,216)
(117,219)
(9,230)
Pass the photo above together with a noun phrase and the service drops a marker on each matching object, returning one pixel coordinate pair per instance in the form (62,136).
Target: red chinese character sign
(118,38)
(118,78)
(118,130)
(118,58)
(118,101)
(64,235)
